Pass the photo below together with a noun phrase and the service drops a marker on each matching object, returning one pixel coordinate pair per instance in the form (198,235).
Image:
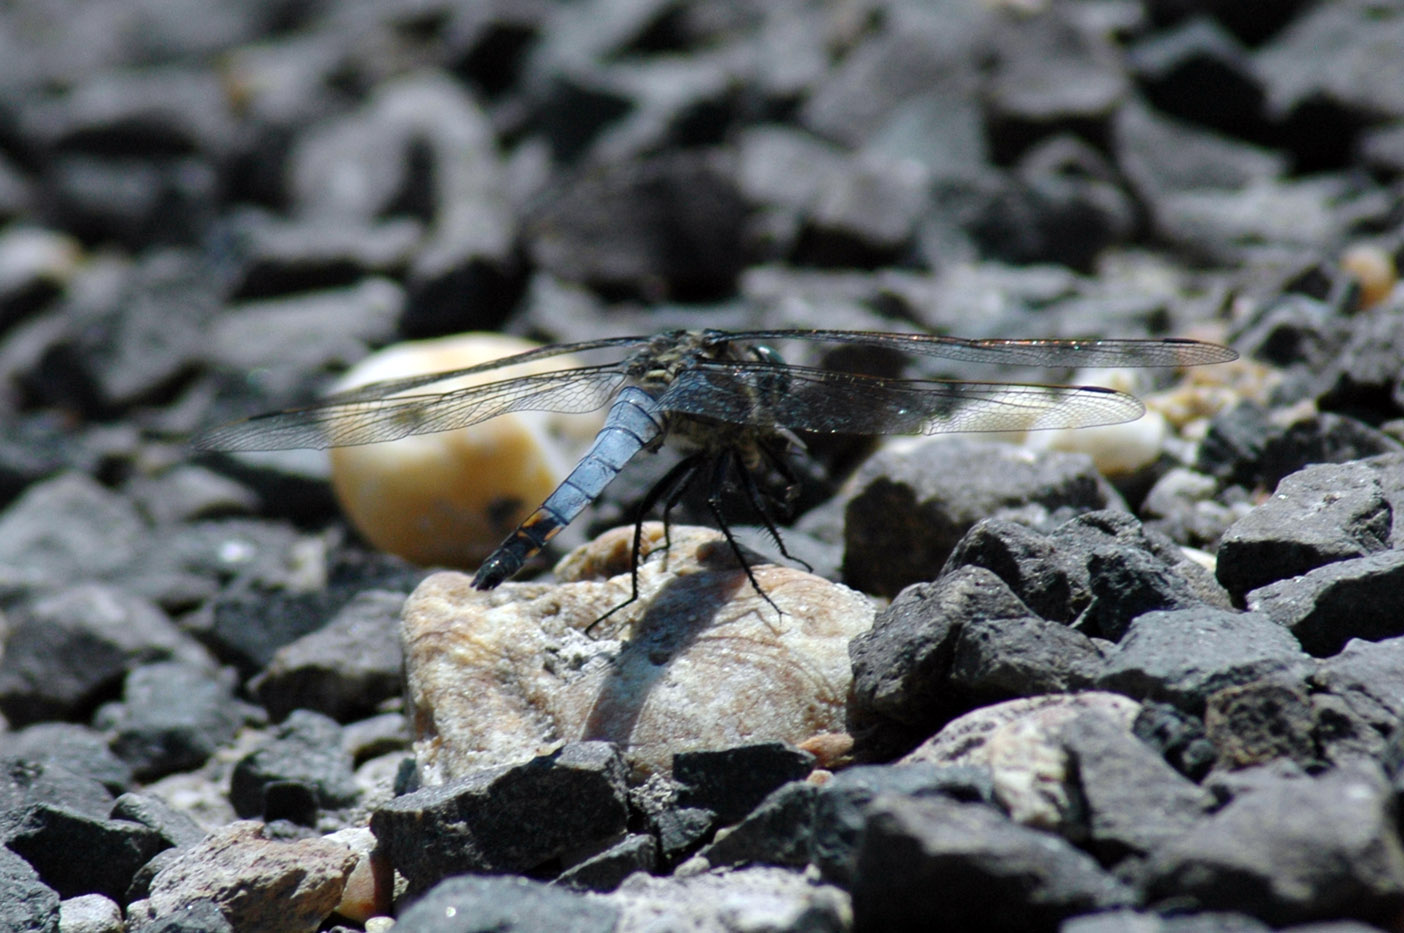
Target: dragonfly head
(717,345)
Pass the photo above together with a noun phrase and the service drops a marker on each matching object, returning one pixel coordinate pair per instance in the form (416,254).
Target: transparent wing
(823,401)
(366,416)
(388,387)
(1169,351)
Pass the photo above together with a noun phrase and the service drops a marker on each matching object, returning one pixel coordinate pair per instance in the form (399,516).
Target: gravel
(1152,678)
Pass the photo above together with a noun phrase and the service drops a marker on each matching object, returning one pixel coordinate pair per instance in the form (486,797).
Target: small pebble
(90,913)
(1374,269)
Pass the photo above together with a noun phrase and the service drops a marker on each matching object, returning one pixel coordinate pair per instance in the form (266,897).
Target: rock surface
(700,661)
(256,882)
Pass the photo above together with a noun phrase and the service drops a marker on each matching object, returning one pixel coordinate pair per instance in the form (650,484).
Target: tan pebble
(1374,269)
(370,885)
(831,750)
(1203,392)
(1017,741)
(257,883)
(449,498)
(699,661)
(610,554)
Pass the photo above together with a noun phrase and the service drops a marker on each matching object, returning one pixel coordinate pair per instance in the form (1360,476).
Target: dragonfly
(729,400)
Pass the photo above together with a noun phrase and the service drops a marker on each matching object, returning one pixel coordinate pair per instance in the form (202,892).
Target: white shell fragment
(699,661)
(449,498)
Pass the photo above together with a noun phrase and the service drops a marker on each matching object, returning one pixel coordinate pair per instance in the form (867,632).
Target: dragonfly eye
(766,354)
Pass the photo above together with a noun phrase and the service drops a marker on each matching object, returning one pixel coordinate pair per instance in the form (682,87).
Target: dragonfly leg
(758,498)
(720,466)
(669,489)
(781,465)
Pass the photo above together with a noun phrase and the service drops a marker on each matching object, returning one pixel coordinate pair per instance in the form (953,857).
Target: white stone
(90,913)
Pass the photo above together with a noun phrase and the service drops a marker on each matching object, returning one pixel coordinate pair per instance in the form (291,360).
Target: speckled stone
(1019,742)
(699,661)
(258,883)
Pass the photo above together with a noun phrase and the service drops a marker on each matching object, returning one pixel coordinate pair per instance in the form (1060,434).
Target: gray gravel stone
(1330,605)
(1318,516)
(26,784)
(1099,570)
(1261,722)
(929,496)
(173,715)
(1291,850)
(27,905)
(756,899)
(512,818)
(923,50)
(486,904)
(901,667)
(1135,921)
(70,650)
(998,659)
(174,826)
(1346,33)
(841,806)
(1182,657)
(147,332)
(776,832)
(924,862)
(1134,802)
(305,750)
(68,528)
(1050,70)
(732,781)
(605,871)
(344,669)
(78,854)
(78,749)
(90,913)
(1174,66)
(629,231)
(1369,678)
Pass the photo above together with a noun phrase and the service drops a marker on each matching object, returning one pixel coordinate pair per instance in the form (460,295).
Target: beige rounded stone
(370,885)
(1374,269)
(699,661)
(449,498)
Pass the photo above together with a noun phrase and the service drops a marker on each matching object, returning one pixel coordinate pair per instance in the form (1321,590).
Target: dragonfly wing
(1169,351)
(358,418)
(388,387)
(823,401)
